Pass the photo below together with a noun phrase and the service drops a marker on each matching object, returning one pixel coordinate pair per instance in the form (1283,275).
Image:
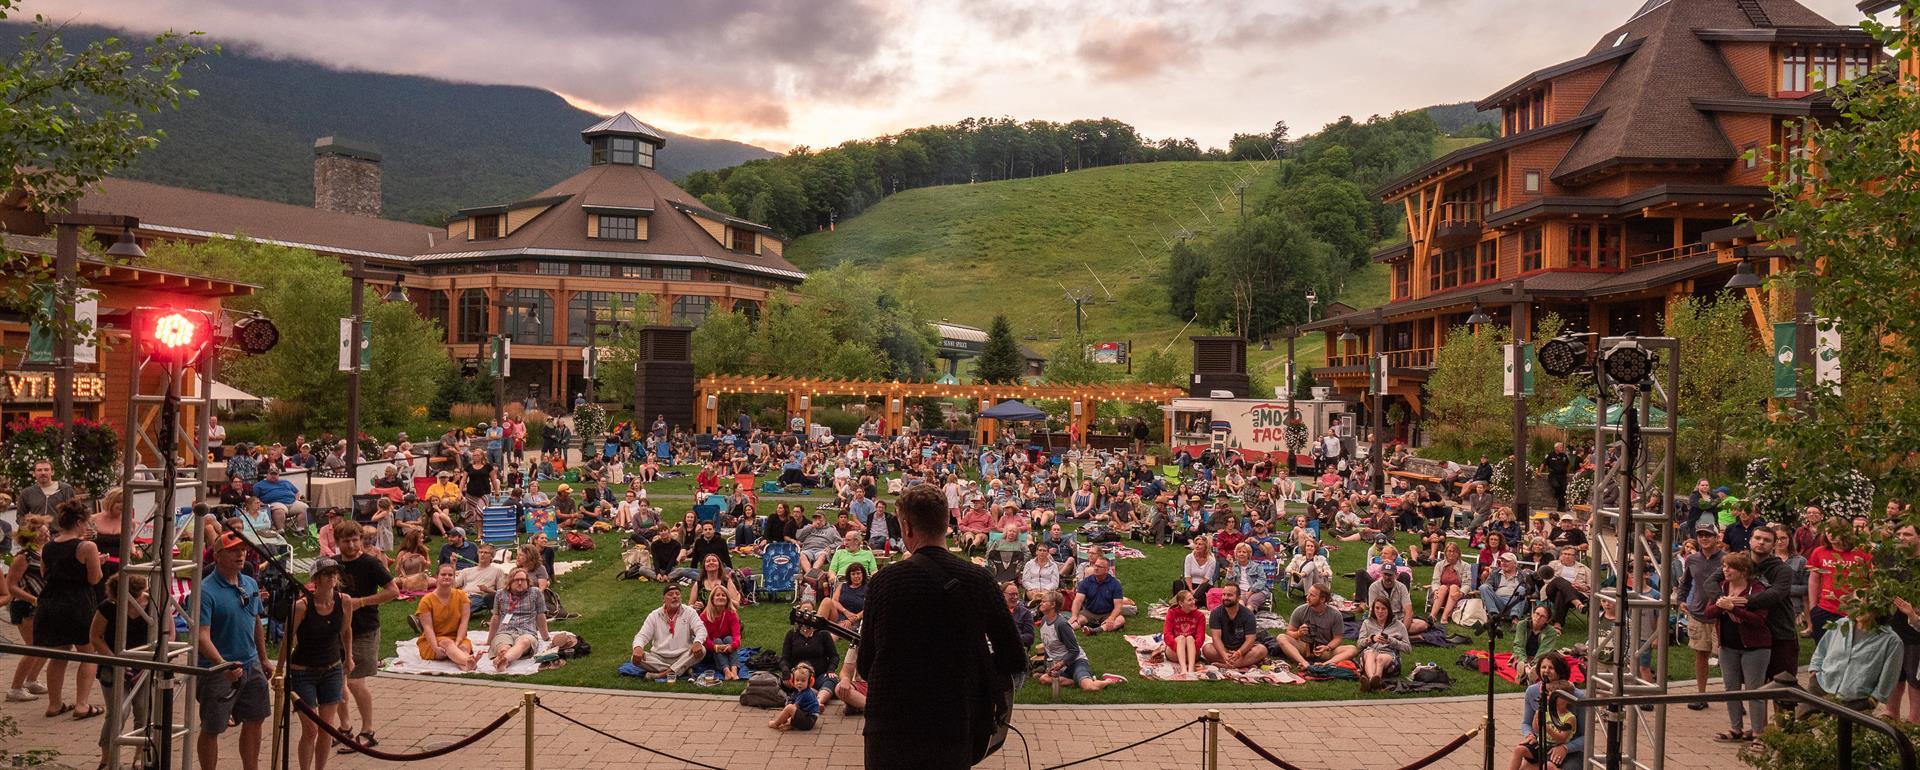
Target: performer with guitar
(938,650)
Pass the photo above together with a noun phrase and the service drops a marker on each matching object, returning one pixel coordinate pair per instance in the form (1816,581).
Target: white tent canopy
(225,392)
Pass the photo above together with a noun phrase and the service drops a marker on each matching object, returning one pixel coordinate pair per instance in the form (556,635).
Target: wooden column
(983,428)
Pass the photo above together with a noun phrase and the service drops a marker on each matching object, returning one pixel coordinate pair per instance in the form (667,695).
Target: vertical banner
(1287,389)
(501,360)
(345,363)
(1377,375)
(589,361)
(1826,353)
(40,330)
(1522,355)
(86,315)
(1783,363)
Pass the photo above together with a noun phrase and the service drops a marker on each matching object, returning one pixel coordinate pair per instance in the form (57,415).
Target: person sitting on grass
(817,541)
(519,621)
(853,551)
(1183,633)
(1061,543)
(1534,635)
(442,619)
(1199,568)
(1023,620)
(713,580)
(481,580)
(849,601)
(1066,662)
(1232,635)
(458,551)
(1550,734)
(1432,543)
(671,639)
(1255,578)
(1452,580)
(1041,573)
(723,635)
(852,690)
(1309,567)
(802,711)
(974,523)
(1383,639)
(1267,546)
(1098,602)
(1314,632)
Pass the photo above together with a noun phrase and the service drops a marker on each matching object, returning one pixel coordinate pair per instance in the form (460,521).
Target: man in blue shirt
(274,489)
(230,632)
(1098,604)
(458,551)
(861,507)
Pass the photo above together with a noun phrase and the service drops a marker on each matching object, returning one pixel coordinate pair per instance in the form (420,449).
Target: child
(803,705)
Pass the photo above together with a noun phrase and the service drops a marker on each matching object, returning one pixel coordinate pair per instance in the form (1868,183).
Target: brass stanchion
(1213,739)
(526,707)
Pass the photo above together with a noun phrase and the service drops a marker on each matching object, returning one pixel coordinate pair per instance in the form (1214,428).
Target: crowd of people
(1255,540)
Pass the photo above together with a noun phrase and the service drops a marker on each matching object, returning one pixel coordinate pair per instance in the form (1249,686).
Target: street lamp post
(66,268)
(591,360)
(1377,340)
(357,273)
(1312,299)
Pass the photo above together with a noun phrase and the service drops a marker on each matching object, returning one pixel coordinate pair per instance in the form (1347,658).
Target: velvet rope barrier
(348,741)
(1417,764)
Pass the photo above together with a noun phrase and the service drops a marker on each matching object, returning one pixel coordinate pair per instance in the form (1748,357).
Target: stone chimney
(346,177)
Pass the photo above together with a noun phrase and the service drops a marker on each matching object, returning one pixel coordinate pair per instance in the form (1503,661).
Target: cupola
(623,140)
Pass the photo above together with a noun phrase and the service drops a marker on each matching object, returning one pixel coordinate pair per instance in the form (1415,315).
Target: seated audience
(1183,633)
(1382,641)
(1232,635)
(1315,632)
(442,616)
(671,639)
(1066,662)
(519,622)
(1098,602)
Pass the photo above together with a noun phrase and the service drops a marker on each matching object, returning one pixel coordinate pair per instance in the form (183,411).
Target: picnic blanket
(1434,637)
(1153,666)
(1503,665)
(407,659)
(740,658)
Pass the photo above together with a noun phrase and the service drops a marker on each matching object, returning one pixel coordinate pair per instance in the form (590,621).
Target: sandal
(64,708)
(91,712)
(1729,736)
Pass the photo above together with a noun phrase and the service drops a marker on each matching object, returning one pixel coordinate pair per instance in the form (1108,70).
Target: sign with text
(38,387)
(1524,353)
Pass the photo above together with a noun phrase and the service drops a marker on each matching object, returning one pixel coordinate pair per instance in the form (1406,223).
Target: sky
(784,73)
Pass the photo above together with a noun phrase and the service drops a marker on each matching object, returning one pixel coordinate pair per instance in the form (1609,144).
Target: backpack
(579,541)
(1471,612)
(763,691)
(1431,673)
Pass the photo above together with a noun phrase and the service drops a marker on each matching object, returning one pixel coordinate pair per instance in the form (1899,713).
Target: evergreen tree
(999,361)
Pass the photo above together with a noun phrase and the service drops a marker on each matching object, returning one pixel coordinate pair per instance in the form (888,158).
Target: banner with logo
(1783,363)
(1377,375)
(86,315)
(1826,353)
(346,346)
(1523,353)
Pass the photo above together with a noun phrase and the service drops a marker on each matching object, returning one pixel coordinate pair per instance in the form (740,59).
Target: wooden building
(1615,175)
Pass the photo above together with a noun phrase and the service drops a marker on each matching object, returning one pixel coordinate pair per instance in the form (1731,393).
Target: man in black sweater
(936,645)
(710,542)
(1776,599)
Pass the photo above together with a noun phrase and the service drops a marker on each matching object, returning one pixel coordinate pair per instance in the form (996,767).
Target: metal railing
(1666,255)
(1847,718)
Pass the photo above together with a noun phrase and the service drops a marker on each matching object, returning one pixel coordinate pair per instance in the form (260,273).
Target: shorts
(1703,635)
(505,640)
(1080,670)
(803,721)
(366,654)
(250,702)
(860,687)
(318,687)
(19,611)
(1092,618)
(1910,664)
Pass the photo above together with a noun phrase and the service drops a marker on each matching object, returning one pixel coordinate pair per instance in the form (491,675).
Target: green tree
(1159,367)
(1846,209)
(999,360)
(1725,378)
(1069,364)
(1466,411)
(725,344)
(71,118)
(305,294)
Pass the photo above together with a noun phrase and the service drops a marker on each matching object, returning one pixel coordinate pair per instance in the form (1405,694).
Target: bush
(1808,744)
(90,463)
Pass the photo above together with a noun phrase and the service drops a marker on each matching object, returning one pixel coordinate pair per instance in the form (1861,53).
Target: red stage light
(174,335)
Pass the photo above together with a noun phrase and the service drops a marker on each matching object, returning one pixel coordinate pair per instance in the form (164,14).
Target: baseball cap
(457,532)
(324,565)
(273,470)
(1569,517)
(1707,529)
(1508,556)
(564,488)
(230,540)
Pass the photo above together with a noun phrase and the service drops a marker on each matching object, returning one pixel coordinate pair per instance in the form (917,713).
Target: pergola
(800,392)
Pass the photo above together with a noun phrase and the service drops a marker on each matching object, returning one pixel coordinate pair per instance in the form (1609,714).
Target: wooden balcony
(1419,358)
(1458,225)
(1666,255)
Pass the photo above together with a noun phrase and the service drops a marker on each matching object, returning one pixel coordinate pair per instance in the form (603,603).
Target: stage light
(1562,356)
(1629,364)
(168,334)
(256,334)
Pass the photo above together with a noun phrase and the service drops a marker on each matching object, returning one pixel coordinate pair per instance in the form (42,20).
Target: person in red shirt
(1832,572)
(708,481)
(1183,632)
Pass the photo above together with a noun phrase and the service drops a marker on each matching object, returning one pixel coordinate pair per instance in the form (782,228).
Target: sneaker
(36,688)
(413,622)
(20,695)
(1112,678)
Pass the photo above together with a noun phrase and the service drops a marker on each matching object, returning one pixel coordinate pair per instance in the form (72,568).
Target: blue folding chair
(498,524)
(779,566)
(707,513)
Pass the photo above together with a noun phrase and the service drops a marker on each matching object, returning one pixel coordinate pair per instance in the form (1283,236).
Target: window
(1533,181)
(1489,260)
(529,316)
(1580,246)
(636,271)
(619,228)
(676,273)
(645,152)
(1750,156)
(486,227)
(741,239)
(1593,245)
(1530,250)
(1804,69)
(596,271)
(1858,61)
(440,310)
(553,268)
(1435,267)
(1402,280)
(473,316)
(748,308)
(605,305)
(1489,197)
(690,311)
(1460,267)
(621,150)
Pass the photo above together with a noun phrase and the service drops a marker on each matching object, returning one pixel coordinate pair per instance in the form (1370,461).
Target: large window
(596,271)
(741,239)
(1804,69)
(1593,245)
(676,273)
(605,305)
(622,150)
(1489,260)
(553,268)
(529,316)
(440,310)
(748,308)
(690,311)
(1531,247)
(1461,267)
(619,228)
(486,227)
(1402,280)
(636,271)
(473,316)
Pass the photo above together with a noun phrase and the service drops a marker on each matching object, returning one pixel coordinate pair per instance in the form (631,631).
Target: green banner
(1784,379)
(39,333)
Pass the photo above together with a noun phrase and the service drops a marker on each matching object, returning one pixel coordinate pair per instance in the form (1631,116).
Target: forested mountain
(446,145)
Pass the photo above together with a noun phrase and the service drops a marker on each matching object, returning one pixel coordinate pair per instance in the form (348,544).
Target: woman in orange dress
(443,616)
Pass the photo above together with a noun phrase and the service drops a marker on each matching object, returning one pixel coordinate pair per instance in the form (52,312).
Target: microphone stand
(1496,617)
(279,756)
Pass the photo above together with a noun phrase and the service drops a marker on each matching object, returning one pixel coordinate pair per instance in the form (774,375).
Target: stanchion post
(1213,739)
(526,709)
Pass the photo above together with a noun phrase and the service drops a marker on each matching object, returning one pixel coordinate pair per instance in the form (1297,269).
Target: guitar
(998,706)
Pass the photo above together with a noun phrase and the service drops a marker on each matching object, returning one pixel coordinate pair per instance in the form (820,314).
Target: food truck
(1252,427)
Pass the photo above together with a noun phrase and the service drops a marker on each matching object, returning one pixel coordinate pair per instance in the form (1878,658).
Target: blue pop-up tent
(1012,411)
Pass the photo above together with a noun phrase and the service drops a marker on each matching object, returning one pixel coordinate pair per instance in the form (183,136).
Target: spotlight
(256,334)
(1629,364)
(1562,355)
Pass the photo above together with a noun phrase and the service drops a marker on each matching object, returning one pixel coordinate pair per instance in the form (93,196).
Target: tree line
(808,190)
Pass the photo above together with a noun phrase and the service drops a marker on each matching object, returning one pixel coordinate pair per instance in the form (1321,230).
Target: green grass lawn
(611,611)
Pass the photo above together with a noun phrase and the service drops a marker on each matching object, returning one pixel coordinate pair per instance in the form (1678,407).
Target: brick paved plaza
(421,713)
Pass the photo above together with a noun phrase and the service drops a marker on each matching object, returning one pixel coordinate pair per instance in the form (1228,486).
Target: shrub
(90,463)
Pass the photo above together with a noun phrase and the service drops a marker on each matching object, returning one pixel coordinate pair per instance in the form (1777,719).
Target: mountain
(1464,119)
(446,145)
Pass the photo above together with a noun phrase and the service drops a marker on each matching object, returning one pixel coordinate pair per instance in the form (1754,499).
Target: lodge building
(596,245)
(1613,189)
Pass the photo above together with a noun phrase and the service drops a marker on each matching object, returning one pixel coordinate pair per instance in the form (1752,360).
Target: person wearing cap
(365,577)
(671,639)
(274,490)
(458,551)
(322,651)
(975,523)
(818,539)
(1699,587)
(1504,591)
(1569,534)
(230,631)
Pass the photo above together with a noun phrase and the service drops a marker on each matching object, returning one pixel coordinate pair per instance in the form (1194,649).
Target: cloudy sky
(817,72)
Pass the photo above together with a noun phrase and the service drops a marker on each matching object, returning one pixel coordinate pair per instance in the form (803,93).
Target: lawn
(611,610)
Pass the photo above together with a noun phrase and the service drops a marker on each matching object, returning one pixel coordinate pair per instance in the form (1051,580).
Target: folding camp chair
(707,513)
(779,564)
(498,524)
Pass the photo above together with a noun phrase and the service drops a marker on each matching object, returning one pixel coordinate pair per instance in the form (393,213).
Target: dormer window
(615,228)
(621,151)
(486,227)
(741,239)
